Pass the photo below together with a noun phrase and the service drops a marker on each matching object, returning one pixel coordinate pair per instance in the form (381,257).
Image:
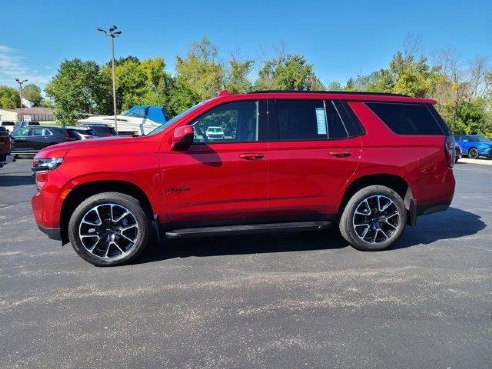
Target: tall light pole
(112,35)
(20,95)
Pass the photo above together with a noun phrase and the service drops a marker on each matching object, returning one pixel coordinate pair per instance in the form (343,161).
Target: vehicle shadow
(243,244)
(451,224)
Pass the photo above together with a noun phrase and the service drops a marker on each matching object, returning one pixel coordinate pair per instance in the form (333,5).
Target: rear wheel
(109,229)
(373,218)
(473,153)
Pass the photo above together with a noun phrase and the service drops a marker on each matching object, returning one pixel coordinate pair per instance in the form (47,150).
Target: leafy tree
(32,93)
(199,76)
(137,82)
(471,118)
(406,74)
(334,86)
(9,97)
(413,76)
(236,79)
(291,72)
(75,89)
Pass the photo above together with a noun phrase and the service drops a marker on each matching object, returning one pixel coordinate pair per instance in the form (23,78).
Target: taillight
(450,151)
(68,138)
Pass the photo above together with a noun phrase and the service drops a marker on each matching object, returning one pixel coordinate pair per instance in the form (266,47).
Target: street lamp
(20,95)
(112,35)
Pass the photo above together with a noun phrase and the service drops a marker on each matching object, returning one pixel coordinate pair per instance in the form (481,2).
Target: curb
(479,161)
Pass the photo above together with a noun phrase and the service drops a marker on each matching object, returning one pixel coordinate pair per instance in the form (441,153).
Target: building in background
(30,114)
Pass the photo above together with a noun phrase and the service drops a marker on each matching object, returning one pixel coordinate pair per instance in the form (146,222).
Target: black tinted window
(407,119)
(336,128)
(73,133)
(101,130)
(301,120)
(352,123)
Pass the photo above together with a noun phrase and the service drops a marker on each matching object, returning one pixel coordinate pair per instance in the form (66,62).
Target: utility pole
(20,95)
(112,35)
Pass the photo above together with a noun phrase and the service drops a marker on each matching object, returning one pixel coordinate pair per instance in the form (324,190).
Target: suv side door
(220,179)
(314,149)
(20,137)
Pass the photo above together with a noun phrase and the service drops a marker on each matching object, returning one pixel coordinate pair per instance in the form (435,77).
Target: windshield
(478,139)
(175,119)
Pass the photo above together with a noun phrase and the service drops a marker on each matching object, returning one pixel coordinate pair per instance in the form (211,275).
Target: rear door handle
(251,156)
(340,154)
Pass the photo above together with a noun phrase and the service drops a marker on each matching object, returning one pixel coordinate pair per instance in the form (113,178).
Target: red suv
(287,160)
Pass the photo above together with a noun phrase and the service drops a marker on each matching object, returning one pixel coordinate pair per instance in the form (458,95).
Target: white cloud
(14,65)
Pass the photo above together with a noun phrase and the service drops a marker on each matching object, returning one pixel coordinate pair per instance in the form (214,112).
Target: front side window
(23,132)
(231,122)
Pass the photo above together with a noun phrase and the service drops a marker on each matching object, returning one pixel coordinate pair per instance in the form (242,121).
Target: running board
(250,228)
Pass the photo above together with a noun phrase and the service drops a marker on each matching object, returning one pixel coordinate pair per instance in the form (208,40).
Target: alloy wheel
(109,231)
(376,219)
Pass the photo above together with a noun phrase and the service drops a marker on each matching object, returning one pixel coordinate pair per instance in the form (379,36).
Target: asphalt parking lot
(299,300)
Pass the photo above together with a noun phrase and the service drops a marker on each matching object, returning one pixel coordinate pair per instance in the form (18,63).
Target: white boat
(139,120)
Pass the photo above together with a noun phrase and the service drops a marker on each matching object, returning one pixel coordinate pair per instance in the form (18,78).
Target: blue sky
(341,38)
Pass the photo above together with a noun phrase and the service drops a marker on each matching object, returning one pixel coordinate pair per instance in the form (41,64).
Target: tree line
(80,88)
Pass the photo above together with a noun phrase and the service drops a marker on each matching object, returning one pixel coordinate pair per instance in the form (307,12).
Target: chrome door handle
(251,156)
(340,154)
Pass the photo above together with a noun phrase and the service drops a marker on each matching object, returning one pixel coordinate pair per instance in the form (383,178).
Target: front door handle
(340,154)
(251,156)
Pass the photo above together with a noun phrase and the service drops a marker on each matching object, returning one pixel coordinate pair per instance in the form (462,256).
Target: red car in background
(370,163)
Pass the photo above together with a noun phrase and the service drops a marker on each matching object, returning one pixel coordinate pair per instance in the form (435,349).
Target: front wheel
(473,153)
(373,218)
(109,229)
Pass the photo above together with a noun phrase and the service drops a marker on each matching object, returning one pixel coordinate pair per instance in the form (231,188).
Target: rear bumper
(434,208)
(53,233)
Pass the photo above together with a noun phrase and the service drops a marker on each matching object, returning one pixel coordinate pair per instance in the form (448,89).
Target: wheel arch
(393,181)
(83,191)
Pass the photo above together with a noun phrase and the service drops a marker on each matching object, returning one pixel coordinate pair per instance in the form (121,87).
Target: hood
(108,143)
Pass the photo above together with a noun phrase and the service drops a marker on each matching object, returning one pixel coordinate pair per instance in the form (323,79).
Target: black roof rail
(330,92)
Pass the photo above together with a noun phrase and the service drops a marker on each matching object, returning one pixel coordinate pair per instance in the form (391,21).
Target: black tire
(382,225)
(473,153)
(125,236)
(457,156)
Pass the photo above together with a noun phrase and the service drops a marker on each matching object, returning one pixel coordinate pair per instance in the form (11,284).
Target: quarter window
(407,119)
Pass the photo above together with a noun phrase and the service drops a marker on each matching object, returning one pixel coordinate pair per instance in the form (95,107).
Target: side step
(250,228)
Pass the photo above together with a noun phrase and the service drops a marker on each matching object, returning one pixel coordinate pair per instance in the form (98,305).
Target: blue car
(474,145)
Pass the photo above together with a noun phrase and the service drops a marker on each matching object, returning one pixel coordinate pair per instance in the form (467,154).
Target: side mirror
(182,138)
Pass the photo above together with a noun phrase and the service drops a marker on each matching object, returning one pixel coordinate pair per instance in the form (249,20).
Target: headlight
(45,165)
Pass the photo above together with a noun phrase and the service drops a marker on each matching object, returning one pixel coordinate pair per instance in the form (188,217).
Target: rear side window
(407,119)
(73,133)
(301,120)
(40,132)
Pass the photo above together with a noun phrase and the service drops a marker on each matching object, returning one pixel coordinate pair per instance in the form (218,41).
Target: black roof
(330,92)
